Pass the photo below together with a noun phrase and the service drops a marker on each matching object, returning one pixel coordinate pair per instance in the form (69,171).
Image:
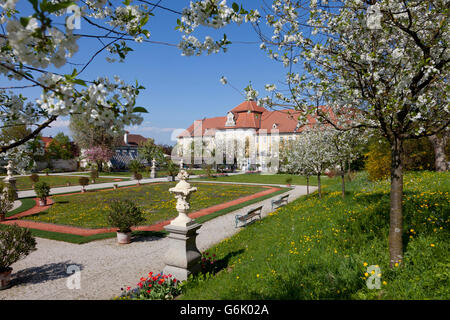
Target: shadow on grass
(44,273)
(218,265)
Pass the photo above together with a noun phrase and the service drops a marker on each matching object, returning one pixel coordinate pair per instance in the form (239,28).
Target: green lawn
(89,209)
(268,179)
(24,182)
(27,203)
(321,249)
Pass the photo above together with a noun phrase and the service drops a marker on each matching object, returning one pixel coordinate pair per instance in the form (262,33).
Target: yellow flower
(396,264)
(257,275)
(384,283)
(366,274)
(365,264)
(432,244)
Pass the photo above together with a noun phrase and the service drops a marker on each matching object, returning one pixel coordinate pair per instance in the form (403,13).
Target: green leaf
(140,109)
(235,7)
(24,21)
(80,82)
(53,7)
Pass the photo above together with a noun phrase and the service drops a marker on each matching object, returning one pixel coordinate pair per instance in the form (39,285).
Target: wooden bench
(280,201)
(250,214)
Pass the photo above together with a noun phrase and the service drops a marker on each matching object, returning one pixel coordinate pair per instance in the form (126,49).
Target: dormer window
(274,126)
(230,120)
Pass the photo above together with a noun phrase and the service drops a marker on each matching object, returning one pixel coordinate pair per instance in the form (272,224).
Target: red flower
(174,280)
(150,274)
(140,285)
(143,279)
(170,276)
(128,288)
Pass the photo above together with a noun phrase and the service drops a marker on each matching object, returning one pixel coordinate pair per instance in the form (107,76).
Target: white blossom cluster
(382,60)
(33,44)
(214,14)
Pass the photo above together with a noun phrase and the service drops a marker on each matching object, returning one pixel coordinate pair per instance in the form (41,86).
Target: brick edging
(155,227)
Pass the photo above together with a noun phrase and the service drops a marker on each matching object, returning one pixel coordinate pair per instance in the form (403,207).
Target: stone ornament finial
(182,193)
(9,169)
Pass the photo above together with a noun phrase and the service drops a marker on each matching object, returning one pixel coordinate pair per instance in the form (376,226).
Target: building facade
(249,136)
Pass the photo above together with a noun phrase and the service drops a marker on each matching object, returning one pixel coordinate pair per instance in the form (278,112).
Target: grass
(76,239)
(27,203)
(266,179)
(145,175)
(321,249)
(24,182)
(88,210)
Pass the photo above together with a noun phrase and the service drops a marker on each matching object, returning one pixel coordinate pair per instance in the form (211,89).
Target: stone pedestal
(182,257)
(10,183)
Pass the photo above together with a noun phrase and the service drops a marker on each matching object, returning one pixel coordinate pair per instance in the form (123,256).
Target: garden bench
(250,214)
(280,201)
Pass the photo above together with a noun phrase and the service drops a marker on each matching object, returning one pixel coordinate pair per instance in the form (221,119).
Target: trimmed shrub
(15,244)
(123,214)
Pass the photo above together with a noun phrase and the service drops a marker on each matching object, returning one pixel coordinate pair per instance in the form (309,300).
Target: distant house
(46,141)
(126,151)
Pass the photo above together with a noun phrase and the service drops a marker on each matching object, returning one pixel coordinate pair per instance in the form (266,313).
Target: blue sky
(181,89)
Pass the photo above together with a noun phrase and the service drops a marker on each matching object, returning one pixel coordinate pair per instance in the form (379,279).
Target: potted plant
(123,214)
(34,178)
(172,170)
(6,201)
(288,181)
(68,183)
(42,190)
(46,171)
(94,175)
(115,185)
(138,177)
(84,181)
(15,243)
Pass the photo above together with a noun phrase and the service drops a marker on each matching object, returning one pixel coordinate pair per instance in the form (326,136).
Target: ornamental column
(182,257)
(10,181)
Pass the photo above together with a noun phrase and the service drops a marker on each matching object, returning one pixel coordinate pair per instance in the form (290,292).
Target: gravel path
(105,266)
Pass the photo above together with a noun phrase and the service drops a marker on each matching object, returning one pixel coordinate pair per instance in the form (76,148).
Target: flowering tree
(385,62)
(345,148)
(311,153)
(99,155)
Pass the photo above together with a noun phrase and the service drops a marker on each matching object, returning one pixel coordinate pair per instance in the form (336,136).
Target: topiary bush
(123,214)
(42,190)
(15,244)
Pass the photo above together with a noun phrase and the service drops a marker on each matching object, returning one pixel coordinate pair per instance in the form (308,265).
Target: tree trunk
(440,160)
(318,186)
(100,166)
(343,182)
(307,185)
(396,215)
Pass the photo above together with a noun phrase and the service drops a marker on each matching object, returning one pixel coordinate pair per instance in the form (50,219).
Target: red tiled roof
(133,140)
(248,105)
(46,141)
(258,118)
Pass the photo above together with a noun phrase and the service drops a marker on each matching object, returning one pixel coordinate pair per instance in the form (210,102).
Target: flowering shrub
(154,287)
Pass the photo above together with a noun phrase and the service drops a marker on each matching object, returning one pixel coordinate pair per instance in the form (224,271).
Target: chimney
(125,137)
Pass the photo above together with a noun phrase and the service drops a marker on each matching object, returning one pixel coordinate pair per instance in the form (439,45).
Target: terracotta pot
(123,237)
(42,202)
(5,279)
